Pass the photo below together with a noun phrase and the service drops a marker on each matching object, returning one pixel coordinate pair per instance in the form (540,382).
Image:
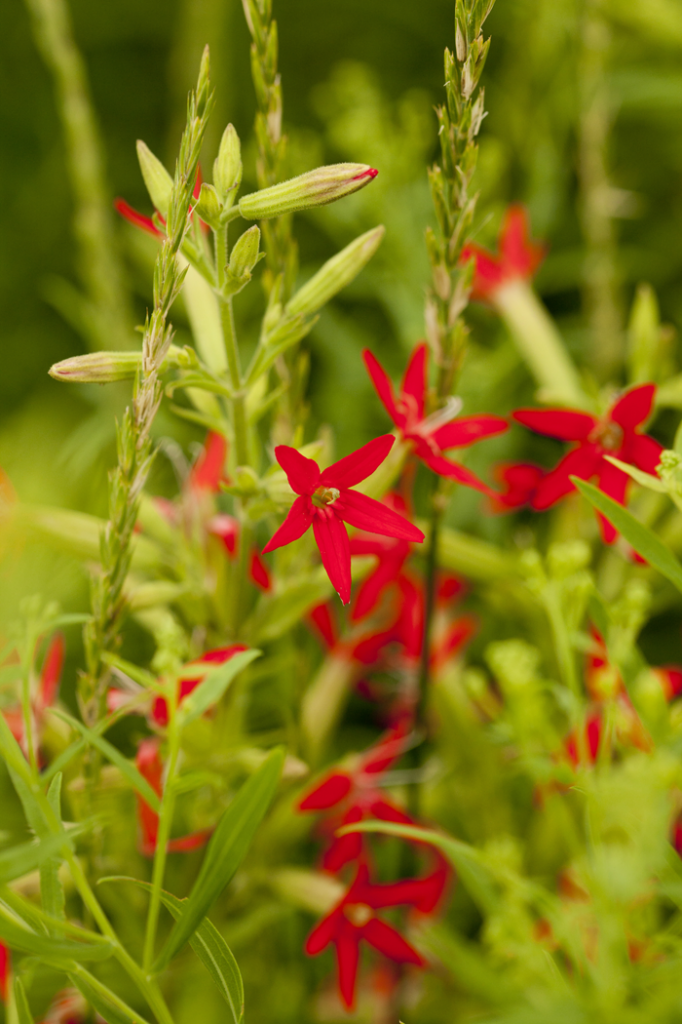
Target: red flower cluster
(431,435)
(615,434)
(352,796)
(518,257)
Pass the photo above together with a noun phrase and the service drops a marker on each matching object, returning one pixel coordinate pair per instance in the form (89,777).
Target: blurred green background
(360,80)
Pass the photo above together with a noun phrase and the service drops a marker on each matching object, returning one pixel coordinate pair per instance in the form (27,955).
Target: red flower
(185,686)
(358,796)
(208,471)
(520,481)
(518,257)
(391,552)
(615,434)
(353,920)
(138,220)
(259,572)
(325,501)
(431,435)
(150,767)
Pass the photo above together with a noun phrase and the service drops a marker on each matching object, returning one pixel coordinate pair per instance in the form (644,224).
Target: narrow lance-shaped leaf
(226,850)
(126,767)
(49,949)
(643,540)
(51,889)
(213,686)
(212,950)
(107,1004)
(23,1010)
(20,860)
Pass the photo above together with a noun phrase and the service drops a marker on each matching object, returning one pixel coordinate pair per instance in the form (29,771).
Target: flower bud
(336,273)
(107,367)
(157,179)
(245,253)
(315,188)
(227,167)
(208,206)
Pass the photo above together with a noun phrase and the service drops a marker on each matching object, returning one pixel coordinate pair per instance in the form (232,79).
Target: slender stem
(561,639)
(26,700)
(234,367)
(160,854)
(429,603)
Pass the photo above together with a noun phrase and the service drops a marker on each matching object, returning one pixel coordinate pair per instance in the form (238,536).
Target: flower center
(324,496)
(609,435)
(359,914)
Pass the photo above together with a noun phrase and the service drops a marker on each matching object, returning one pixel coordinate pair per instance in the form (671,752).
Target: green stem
(160,854)
(429,603)
(26,700)
(234,367)
(562,640)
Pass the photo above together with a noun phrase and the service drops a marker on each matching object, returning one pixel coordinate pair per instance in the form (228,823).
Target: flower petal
(303,474)
(208,470)
(365,513)
(332,540)
(323,932)
(347,957)
(357,466)
(520,257)
(565,424)
(370,590)
(138,219)
(414,381)
(488,274)
(452,470)
(582,461)
(468,430)
(383,388)
(390,942)
(634,406)
(644,452)
(298,519)
(330,791)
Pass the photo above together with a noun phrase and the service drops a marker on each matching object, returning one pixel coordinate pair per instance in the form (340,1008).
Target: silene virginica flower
(431,435)
(353,920)
(594,438)
(326,501)
(517,258)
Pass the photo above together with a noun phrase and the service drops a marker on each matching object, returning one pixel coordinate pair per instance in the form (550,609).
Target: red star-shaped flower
(354,919)
(615,434)
(431,435)
(325,501)
(518,257)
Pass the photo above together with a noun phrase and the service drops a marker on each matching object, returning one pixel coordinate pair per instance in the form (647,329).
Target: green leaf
(226,850)
(126,767)
(211,948)
(50,950)
(20,860)
(465,858)
(21,1003)
(51,889)
(653,483)
(643,540)
(213,686)
(107,1004)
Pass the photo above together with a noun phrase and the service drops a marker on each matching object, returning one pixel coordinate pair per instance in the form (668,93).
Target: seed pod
(336,273)
(314,188)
